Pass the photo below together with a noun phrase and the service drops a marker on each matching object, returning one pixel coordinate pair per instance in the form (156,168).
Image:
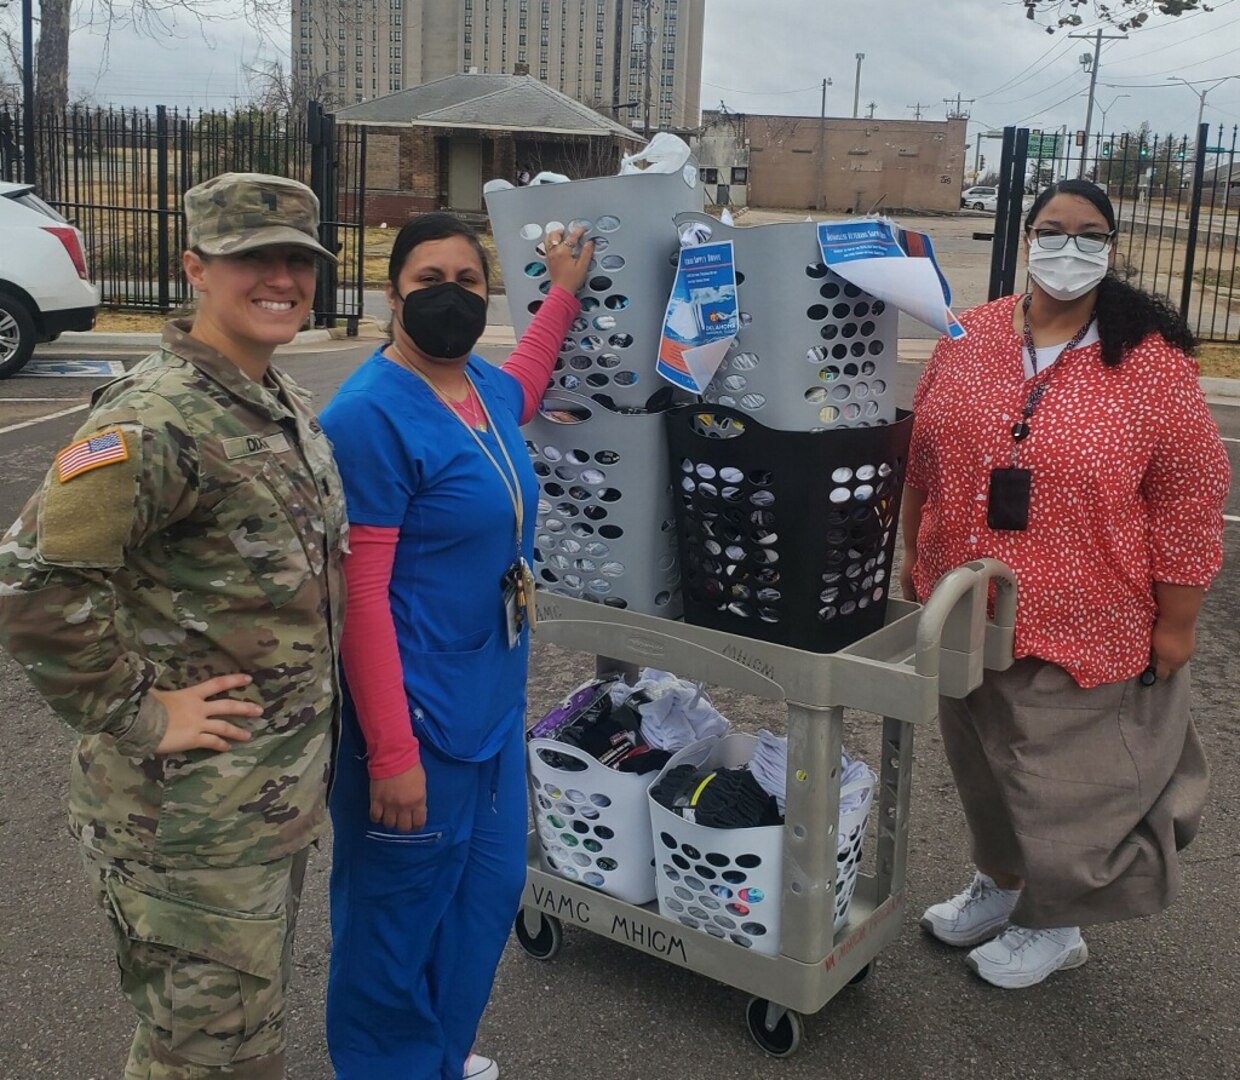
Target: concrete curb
(911,350)
(90,339)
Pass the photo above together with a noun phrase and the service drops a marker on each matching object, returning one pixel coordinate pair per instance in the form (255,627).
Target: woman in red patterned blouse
(1067,436)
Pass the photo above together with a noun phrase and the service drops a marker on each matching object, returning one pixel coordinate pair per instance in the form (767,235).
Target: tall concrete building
(640,61)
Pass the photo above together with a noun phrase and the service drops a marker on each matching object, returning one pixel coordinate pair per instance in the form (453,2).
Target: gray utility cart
(897,673)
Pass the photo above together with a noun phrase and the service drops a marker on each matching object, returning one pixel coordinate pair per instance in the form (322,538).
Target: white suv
(44,285)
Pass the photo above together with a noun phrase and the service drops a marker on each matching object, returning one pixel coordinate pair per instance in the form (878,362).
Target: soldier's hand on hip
(399,801)
(195,715)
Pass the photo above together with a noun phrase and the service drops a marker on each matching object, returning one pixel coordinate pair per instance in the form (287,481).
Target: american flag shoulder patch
(106,448)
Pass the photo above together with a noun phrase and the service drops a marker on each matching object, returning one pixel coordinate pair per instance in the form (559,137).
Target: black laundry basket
(786,536)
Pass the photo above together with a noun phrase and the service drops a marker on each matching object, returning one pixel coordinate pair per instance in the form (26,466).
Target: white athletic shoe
(973,916)
(478,1067)
(1020,957)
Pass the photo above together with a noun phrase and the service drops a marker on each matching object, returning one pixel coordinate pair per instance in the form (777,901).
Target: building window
(305,65)
(709,176)
(740,175)
(393,84)
(542,72)
(357,82)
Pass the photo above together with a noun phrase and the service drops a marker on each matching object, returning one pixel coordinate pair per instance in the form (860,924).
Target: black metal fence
(1177,202)
(119,175)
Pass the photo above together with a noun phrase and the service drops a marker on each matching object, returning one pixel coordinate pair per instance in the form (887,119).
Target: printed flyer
(894,264)
(701,318)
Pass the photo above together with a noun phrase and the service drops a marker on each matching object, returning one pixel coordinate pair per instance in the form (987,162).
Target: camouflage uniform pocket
(207,981)
(259,517)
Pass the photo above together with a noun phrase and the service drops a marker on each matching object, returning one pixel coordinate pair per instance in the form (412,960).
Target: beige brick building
(854,166)
(628,58)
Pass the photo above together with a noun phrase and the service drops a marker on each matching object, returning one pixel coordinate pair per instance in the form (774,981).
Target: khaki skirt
(1087,795)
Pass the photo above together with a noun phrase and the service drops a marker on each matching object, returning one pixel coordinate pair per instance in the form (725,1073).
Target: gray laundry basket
(606,524)
(614,343)
(814,352)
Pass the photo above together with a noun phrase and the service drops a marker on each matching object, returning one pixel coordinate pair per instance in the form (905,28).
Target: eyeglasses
(1089,243)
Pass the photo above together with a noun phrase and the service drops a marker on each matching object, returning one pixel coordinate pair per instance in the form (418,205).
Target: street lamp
(1201,94)
(857,88)
(1108,109)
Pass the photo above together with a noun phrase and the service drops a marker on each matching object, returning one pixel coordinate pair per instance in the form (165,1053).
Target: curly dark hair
(1126,315)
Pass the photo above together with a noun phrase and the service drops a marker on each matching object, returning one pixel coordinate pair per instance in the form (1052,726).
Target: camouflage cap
(236,212)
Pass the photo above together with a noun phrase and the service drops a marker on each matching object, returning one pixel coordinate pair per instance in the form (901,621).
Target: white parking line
(1228,438)
(1230,517)
(40,419)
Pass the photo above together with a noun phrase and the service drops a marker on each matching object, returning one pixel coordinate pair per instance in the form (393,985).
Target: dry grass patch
(129,322)
(1219,361)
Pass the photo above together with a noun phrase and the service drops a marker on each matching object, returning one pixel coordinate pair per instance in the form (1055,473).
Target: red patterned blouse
(1129,478)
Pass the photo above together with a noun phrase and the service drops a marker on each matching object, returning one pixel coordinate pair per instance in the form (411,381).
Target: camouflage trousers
(205,957)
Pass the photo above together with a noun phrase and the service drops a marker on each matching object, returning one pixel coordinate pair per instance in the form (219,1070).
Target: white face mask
(1069,272)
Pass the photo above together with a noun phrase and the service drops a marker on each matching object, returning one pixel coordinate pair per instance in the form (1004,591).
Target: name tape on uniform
(245,445)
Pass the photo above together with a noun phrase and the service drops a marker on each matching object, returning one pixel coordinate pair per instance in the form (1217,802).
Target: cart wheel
(862,975)
(546,943)
(786,1036)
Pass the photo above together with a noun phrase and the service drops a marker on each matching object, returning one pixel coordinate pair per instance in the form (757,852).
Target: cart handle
(970,582)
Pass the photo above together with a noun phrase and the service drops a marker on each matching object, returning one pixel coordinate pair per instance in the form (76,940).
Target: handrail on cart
(946,621)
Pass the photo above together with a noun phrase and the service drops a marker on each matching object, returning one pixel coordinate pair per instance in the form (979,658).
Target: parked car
(980,198)
(45,288)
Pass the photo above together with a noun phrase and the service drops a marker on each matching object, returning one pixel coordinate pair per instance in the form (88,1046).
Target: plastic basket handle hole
(802,776)
(798,831)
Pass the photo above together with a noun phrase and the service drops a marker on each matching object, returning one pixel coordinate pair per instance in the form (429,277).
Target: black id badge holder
(1007,507)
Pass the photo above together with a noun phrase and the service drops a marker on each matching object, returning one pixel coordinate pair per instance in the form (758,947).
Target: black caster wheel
(546,943)
(784,1039)
(862,975)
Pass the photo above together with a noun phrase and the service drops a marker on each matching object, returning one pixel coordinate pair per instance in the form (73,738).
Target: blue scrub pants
(419,920)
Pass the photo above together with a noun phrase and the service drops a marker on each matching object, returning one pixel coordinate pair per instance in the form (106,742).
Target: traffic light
(1106,149)
(1145,150)
(1123,141)
(1080,138)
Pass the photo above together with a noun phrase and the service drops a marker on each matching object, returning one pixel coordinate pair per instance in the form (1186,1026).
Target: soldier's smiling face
(258,299)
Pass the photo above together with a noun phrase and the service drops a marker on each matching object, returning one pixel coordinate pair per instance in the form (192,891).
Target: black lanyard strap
(1020,429)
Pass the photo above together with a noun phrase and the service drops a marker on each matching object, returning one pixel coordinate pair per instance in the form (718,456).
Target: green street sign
(1216,149)
(1043,146)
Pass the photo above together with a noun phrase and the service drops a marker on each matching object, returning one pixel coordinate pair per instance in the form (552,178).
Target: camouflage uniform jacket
(214,548)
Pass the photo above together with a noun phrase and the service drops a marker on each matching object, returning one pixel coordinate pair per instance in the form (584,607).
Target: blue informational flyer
(896,265)
(702,316)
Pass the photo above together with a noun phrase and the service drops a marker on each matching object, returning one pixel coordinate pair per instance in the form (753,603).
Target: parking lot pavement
(1157,998)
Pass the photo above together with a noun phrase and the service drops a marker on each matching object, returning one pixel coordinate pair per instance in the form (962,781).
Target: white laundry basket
(593,822)
(728,882)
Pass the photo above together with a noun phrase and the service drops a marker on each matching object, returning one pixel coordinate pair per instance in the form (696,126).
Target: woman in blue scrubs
(428,804)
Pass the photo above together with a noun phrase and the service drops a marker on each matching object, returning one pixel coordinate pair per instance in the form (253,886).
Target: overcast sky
(916,51)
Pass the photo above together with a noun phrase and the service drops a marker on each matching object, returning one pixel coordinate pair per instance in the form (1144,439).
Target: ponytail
(1127,316)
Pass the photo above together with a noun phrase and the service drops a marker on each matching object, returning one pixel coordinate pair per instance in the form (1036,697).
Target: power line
(759,93)
(1062,45)
(1180,67)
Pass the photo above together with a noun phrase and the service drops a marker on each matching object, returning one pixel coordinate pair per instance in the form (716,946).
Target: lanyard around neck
(1020,429)
(512,483)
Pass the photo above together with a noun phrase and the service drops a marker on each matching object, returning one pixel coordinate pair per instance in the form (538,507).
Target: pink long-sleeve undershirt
(368,648)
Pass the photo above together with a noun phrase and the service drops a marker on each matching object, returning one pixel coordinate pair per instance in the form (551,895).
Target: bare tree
(275,90)
(1123,14)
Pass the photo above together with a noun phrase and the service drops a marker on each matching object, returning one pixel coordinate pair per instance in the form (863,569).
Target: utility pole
(1098,37)
(917,108)
(647,41)
(958,113)
(822,148)
(28,95)
(872,106)
(857,88)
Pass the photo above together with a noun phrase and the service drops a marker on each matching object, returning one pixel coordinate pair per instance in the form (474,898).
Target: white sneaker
(973,916)
(1020,957)
(478,1067)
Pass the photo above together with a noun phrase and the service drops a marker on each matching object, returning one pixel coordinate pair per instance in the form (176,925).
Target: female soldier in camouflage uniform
(173,590)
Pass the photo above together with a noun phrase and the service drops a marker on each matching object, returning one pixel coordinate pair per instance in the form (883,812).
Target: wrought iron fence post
(1005,244)
(162,209)
(1194,218)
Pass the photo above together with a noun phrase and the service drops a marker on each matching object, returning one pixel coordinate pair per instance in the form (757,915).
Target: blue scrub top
(407,462)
